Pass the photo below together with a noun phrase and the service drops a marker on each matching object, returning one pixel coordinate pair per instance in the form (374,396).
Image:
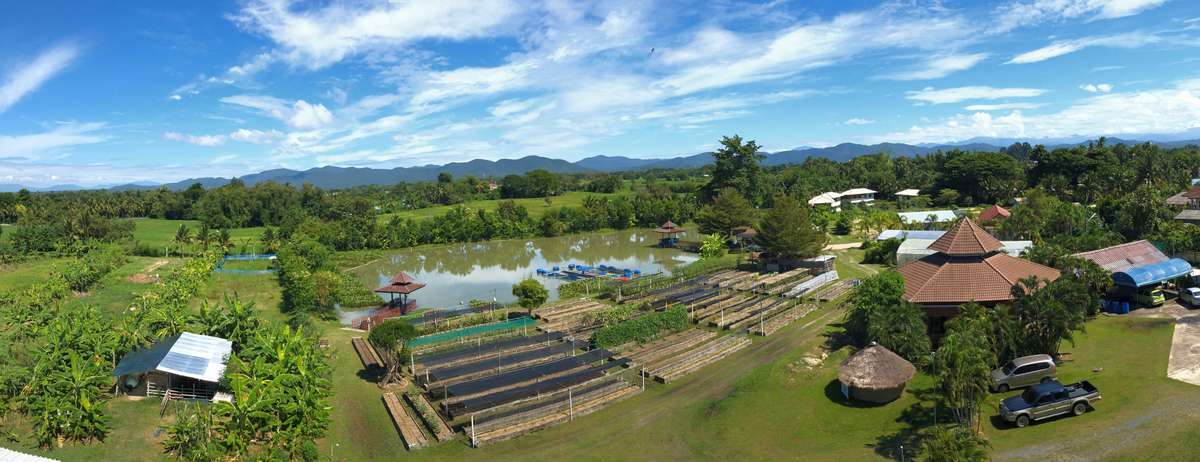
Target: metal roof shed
(1154,273)
(195,356)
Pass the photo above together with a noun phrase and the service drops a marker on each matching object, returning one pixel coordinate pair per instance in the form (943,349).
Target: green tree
(963,364)
(183,237)
(530,293)
(900,327)
(713,246)
(1049,312)
(952,443)
(729,213)
(736,165)
(390,339)
(787,232)
(876,293)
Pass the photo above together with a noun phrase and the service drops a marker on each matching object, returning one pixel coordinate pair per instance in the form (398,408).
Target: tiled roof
(939,278)
(1193,193)
(966,238)
(402,278)
(993,213)
(1179,199)
(1188,215)
(1124,256)
(669,228)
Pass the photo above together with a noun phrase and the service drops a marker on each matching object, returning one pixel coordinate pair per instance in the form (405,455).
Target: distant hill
(344,177)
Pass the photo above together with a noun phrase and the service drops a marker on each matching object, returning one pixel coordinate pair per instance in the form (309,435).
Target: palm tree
(225,240)
(183,236)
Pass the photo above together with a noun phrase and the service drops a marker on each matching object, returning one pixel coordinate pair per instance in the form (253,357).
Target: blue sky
(145,91)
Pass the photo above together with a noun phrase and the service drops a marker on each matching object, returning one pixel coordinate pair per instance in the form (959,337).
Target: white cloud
(1166,110)
(224,159)
(199,140)
(1063,47)
(255,136)
(818,44)
(320,36)
(62,136)
(26,78)
(174,97)
(306,115)
(940,66)
(1003,106)
(299,114)
(859,121)
(1096,87)
(708,42)
(1023,13)
(959,94)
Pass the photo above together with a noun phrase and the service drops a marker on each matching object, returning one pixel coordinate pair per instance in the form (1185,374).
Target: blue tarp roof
(1153,273)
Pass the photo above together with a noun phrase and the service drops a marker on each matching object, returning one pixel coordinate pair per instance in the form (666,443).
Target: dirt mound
(148,276)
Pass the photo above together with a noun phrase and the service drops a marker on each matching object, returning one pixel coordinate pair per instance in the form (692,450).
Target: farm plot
(836,290)
(482,351)
(409,431)
(758,316)
(538,388)
(665,347)
(515,378)
(437,427)
(743,311)
(467,371)
(366,353)
(559,409)
(560,308)
(699,315)
(782,319)
(706,354)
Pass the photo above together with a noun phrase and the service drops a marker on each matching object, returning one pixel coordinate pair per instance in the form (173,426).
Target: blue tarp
(1154,273)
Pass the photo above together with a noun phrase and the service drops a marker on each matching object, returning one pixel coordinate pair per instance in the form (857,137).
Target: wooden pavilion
(670,234)
(401,284)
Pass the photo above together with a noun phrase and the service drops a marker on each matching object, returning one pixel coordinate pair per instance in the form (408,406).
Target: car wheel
(1047,379)
(1003,388)
(1080,408)
(1022,421)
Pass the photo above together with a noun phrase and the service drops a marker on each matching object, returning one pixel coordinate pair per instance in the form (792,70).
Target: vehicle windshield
(1008,368)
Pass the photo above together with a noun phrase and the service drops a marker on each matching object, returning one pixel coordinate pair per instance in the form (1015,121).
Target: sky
(100,93)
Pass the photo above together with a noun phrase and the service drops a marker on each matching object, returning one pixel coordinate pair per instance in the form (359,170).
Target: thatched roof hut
(875,374)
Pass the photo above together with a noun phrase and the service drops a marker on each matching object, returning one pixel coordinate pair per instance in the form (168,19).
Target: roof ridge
(988,261)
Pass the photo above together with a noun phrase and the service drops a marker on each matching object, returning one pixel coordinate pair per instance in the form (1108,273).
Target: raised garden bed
(433,421)
(409,431)
(782,319)
(496,365)
(700,357)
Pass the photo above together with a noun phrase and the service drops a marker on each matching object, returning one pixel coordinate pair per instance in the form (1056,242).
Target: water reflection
(457,273)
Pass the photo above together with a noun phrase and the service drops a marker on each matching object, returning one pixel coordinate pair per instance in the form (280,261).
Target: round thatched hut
(874,374)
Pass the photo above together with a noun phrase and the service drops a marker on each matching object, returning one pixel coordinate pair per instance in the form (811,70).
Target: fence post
(473,444)
(643,374)
(571,402)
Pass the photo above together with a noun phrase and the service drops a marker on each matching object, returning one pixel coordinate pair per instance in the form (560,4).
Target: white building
(829,199)
(187,365)
(909,193)
(916,218)
(858,196)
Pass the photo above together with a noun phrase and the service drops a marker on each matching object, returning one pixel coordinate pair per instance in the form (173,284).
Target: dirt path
(147,276)
(851,245)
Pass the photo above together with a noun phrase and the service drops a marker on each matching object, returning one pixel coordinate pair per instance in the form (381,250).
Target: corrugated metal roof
(909,193)
(939,216)
(1124,256)
(906,234)
(200,357)
(857,191)
(8,455)
(1153,273)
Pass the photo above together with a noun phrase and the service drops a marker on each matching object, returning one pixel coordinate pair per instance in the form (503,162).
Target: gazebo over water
(670,234)
(401,284)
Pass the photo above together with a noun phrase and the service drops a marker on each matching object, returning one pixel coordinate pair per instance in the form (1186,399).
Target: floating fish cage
(576,271)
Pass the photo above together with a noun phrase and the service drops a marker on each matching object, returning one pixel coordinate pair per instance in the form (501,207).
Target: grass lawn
(118,289)
(248,265)
(536,206)
(158,233)
(27,273)
(134,435)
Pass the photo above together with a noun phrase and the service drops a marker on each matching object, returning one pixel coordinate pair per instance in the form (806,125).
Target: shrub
(641,329)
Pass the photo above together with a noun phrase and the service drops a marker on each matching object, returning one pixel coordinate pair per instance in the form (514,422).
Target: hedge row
(642,329)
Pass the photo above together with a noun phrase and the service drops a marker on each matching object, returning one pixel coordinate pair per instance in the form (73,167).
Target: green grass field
(536,206)
(159,233)
(26,273)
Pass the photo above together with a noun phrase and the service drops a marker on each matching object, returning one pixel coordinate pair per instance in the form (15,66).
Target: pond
(458,273)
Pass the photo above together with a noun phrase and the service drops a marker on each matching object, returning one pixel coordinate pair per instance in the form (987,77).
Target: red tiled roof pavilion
(669,228)
(968,266)
(994,212)
(400,284)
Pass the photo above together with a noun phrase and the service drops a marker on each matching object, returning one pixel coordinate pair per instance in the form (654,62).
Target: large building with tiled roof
(968,265)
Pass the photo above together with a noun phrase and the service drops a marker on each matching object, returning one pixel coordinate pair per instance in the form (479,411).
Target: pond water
(458,273)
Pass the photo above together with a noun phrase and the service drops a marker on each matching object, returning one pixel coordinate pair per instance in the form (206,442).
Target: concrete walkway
(1184,362)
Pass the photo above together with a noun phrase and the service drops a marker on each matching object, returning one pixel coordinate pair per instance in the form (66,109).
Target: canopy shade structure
(200,357)
(939,216)
(1154,273)
(669,228)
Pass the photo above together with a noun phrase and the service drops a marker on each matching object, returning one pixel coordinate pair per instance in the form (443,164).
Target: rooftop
(875,368)
(857,192)
(994,212)
(909,193)
(939,216)
(200,357)
(966,238)
(1124,256)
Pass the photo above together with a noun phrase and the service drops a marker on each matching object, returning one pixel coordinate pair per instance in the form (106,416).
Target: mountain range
(331,177)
